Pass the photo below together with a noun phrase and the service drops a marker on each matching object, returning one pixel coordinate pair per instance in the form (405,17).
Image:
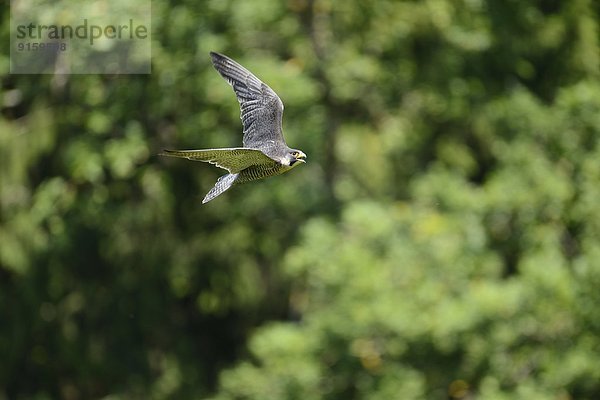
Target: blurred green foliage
(442,241)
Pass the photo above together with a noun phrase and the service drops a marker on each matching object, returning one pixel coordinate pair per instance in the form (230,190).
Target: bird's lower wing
(232,159)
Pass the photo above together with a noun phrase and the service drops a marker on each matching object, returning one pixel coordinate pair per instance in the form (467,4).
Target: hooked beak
(301,157)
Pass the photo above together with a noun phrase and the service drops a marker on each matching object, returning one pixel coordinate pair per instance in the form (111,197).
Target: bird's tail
(223,183)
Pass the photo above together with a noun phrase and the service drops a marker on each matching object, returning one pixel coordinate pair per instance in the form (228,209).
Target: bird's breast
(261,172)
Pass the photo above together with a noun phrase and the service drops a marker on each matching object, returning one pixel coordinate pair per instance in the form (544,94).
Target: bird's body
(264,152)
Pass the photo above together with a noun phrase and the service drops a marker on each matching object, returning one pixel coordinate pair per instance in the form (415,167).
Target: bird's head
(294,157)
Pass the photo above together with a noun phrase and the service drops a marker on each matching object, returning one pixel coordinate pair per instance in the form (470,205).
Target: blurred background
(442,242)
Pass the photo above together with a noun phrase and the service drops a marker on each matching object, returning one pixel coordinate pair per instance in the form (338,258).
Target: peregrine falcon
(264,152)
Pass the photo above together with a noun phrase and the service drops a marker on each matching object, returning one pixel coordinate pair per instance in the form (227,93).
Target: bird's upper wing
(262,109)
(233,159)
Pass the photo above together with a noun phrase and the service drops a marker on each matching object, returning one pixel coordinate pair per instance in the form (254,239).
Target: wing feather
(261,108)
(233,159)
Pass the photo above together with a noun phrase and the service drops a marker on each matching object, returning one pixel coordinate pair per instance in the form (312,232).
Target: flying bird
(264,152)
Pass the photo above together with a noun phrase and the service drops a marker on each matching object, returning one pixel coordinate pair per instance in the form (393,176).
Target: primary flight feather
(264,152)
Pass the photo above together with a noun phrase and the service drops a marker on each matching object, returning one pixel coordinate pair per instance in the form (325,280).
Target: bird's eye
(295,154)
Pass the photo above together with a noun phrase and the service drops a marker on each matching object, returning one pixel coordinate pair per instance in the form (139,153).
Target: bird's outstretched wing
(233,159)
(262,109)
